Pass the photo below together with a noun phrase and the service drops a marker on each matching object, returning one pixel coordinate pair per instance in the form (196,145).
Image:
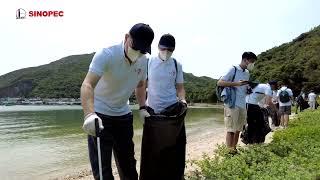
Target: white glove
(89,124)
(184,101)
(143,113)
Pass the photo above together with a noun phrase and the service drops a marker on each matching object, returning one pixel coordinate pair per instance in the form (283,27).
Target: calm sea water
(38,142)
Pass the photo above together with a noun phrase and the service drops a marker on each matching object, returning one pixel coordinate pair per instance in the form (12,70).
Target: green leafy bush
(294,153)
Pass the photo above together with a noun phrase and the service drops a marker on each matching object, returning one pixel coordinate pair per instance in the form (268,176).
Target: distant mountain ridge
(63,79)
(296,63)
(60,78)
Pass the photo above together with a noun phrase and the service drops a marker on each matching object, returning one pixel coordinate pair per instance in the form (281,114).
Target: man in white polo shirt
(235,117)
(257,128)
(285,101)
(312,98)
(114,73)
(164,136)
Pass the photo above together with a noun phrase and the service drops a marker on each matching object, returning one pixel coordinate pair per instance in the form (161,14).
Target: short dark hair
(249,56)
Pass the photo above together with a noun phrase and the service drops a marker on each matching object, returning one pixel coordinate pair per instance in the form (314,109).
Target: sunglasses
(167,49)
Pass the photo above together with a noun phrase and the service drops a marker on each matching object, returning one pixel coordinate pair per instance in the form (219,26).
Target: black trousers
(163,149)
(117,136)
(256,124)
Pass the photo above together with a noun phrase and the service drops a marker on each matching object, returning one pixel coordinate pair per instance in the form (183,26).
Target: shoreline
(71,160)
(79,107)
(197,145)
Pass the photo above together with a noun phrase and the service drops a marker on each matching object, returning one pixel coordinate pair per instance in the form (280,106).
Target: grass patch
(294,153)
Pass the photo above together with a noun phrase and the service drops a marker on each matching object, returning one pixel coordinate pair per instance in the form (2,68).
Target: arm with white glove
(141,98)
(89,124)
(87,94)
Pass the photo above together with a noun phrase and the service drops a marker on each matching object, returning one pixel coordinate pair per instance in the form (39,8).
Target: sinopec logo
(45,14)
(22,14)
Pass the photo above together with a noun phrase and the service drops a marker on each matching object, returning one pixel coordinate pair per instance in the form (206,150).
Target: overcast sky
(210,35)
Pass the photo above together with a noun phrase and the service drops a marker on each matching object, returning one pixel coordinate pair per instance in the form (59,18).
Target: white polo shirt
(162,79)
(241,91)
(290,94)
(258,93)
(118,80)
(312,97)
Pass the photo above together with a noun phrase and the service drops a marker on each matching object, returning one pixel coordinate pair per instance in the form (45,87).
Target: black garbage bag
(257,126)
(244,136)
(164,144)
(266,128)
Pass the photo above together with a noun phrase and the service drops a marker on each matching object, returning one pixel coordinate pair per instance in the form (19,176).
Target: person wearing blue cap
(164,136)
(114,73)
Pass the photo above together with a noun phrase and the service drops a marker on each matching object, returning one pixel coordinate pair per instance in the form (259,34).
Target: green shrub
(294,153)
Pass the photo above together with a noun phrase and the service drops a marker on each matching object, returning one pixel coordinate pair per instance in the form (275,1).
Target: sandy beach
(197,145)
(204,143)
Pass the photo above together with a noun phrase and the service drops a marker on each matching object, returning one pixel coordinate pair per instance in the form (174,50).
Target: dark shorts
(285,110)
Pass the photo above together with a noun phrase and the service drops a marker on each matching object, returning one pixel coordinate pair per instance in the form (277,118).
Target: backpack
(219,89)
(284,96)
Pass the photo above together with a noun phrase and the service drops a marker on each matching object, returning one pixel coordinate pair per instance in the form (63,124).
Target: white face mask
(250,66)
(165,55)
(133,54)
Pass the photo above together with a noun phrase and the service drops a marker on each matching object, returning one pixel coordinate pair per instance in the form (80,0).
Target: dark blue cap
(168,41)
(142,36)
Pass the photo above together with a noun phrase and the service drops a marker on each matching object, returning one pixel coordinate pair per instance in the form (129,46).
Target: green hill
(63,78)
(296,63)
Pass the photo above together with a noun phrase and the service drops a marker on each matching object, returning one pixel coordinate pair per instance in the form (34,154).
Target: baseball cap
(142,36)
(167,41)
